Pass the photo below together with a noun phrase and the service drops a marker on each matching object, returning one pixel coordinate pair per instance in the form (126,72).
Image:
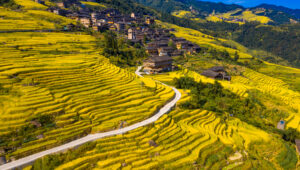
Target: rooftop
(159,59)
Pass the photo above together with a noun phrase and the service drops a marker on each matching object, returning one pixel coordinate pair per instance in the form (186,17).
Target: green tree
(111,43)
(290,135)
(236,56)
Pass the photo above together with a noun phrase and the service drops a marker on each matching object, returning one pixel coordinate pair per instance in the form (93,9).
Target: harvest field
(61,75)
(182,139)
(95,4)
(239,14)
(30,20)
(182,14)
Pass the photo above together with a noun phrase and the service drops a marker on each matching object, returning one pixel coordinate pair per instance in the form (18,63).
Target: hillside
(55,87)
(58,85)
(293,12)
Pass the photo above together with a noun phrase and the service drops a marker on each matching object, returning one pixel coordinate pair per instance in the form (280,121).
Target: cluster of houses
(162,48)
(106,19)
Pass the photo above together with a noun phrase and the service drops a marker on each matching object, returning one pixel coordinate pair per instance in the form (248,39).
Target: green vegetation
(214,97)
(282,41)
(121,52)
(9,4)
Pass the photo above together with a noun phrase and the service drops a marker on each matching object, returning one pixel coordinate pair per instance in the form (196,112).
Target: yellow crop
(246,15)
(71,81)
(93,4)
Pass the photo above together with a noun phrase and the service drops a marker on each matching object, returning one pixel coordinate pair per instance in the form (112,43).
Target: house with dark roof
(151,50)
(212,74)
(217,72)
(167,49)
(158,64)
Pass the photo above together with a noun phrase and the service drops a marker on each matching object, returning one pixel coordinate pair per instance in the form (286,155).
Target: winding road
(29,159)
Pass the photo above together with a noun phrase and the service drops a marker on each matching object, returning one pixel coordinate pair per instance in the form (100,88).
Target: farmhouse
(85,21)
(151,50)
(212,74)
(217,72)
(157,64)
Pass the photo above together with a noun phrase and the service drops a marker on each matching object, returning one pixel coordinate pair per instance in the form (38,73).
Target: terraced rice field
(184,139)
(95,4)
(61,74)
(246,15)
(30,19)
(276,88)
(27,4)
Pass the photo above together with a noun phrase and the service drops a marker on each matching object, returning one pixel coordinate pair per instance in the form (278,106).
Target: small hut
(217,72)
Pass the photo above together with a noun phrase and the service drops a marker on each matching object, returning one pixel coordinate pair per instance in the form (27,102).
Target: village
(159,43)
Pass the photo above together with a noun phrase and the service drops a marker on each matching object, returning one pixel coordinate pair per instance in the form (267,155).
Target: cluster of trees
(9,4)
(224,103)
(290,134)
(27,133)
(282,41)
(128,7)
(122,52)
(214,97)
(202,7)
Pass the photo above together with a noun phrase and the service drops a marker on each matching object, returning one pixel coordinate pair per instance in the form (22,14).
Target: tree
(236,56)
(111,43)
(172,44)
(225,54)
(9,4)
(290,134)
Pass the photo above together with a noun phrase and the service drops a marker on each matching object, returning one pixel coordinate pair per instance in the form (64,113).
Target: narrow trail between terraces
(92,137)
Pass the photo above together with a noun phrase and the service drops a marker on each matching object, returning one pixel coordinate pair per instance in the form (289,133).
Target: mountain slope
(293,12)
(205,8)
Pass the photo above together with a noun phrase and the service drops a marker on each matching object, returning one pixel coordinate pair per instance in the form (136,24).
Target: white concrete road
(29,159)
